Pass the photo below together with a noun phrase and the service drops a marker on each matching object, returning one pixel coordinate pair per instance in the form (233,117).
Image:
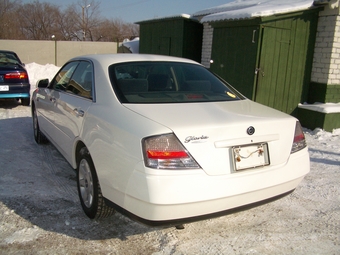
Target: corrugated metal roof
(247,9)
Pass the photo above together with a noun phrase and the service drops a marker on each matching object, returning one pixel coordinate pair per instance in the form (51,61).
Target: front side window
(62,79)
(81,81)
(75,78)
(168,82)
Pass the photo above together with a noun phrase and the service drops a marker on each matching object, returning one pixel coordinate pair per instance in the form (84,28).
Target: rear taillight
(166,152)
(16,75)
(299,139)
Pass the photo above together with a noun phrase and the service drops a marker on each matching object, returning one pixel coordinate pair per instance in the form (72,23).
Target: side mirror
(43,83)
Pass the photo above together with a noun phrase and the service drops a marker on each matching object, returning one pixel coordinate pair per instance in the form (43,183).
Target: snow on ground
(40,211)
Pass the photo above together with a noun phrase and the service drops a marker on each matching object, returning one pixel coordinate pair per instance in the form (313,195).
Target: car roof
(7,51)
(110,59)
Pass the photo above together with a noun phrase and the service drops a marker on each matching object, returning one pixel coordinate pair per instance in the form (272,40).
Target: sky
(138,10)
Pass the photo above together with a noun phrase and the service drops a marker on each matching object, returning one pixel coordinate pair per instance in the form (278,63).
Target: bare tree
(8,25)
(86,19)
(79,21)
(67,26)
(39,23)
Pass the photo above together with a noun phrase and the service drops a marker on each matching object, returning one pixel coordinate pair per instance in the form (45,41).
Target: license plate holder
(250,156)
(4,88)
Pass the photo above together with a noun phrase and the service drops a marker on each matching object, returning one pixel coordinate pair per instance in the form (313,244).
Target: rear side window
(168,82)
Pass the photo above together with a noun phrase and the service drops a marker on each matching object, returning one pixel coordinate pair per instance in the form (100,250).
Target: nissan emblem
(251,130)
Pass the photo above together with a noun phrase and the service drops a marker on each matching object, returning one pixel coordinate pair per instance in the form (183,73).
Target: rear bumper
(16,91)
(15,95)
(179,221)
(155,198)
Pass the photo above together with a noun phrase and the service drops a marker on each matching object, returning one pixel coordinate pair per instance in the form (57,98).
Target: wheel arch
(77,150)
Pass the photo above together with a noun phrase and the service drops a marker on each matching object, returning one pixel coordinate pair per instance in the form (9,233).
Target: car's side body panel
(45,111)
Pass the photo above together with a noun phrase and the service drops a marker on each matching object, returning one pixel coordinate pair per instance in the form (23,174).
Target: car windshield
(8,58)
(168,82)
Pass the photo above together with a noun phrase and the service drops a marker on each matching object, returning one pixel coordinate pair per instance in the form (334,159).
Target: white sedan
(164,140)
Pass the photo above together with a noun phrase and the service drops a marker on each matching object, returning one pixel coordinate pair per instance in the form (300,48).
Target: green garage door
(274,87)
(285,62)
(234,53)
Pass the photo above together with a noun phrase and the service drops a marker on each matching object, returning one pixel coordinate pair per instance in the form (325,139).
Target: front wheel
(38,136)
(89,191)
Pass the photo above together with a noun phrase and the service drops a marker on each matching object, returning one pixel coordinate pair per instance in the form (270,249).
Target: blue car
(14,81)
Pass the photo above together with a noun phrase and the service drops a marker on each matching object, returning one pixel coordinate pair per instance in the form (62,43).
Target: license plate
(4,88)
(250,156)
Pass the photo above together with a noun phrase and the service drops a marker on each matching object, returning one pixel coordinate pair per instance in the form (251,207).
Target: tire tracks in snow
(59,172)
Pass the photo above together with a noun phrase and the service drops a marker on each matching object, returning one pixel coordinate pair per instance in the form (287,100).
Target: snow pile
(243,9)
(132,46)
(37,72)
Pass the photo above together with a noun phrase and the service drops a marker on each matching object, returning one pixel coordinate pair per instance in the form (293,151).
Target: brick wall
(325,78)
(326,63)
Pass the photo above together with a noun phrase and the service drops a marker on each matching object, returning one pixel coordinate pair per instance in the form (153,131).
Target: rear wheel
(38,136)
(25,101)
(89,191)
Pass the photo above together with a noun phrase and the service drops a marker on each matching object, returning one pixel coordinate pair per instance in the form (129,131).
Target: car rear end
(204,169)
(220,151)
(14,80)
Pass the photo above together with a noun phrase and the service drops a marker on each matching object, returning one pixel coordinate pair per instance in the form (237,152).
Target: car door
(71,105)
(46,102)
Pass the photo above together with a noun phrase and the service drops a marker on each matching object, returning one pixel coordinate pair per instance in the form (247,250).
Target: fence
(55,52)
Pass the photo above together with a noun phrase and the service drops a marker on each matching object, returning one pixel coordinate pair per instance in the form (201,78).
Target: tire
(39,137)
(89,191)
(25,101)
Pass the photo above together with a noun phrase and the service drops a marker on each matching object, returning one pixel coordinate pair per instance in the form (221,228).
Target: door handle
(79,112)
(254,34)
(259,70)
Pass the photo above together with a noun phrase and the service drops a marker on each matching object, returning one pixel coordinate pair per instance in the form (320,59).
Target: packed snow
(321,107)
(40,211)
(245,9)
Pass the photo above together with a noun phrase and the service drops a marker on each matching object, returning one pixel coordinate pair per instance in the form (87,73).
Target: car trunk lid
(211,131)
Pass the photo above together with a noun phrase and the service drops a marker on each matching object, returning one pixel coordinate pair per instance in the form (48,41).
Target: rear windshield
(9,58)
(168,82)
